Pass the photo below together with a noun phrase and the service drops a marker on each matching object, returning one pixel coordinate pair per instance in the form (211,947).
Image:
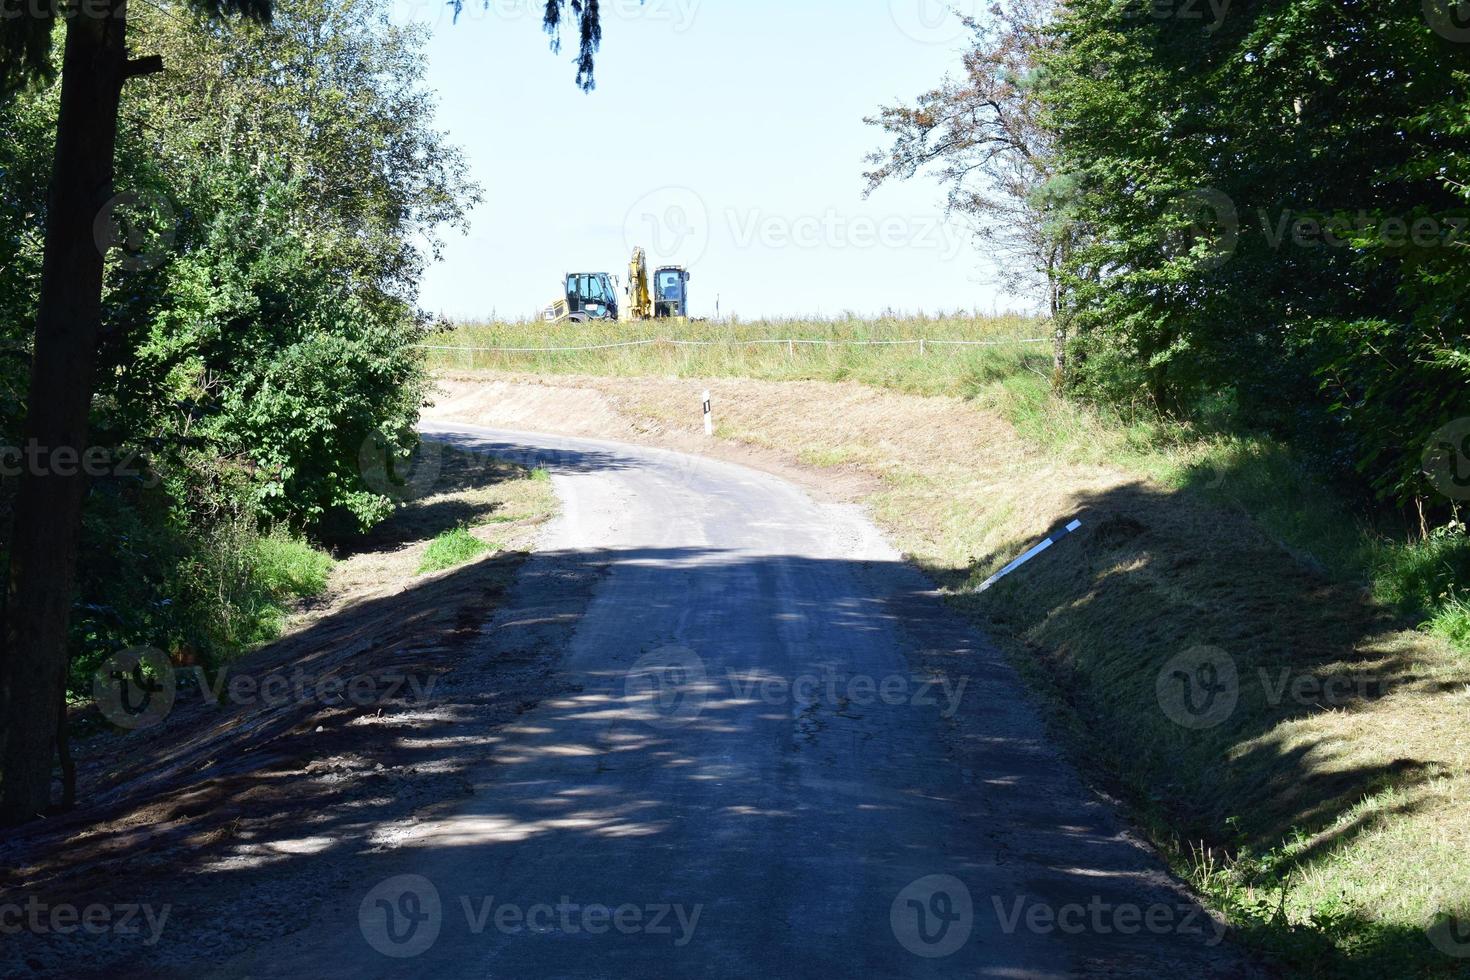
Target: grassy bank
(1328,811)
(996,363)
(831,350)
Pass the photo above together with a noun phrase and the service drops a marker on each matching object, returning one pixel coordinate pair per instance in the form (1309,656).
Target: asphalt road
(754,770)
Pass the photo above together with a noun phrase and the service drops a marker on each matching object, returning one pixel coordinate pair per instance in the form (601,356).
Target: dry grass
(498,502)
(1356,800)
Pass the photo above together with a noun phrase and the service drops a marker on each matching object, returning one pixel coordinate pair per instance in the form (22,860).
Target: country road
(777,755)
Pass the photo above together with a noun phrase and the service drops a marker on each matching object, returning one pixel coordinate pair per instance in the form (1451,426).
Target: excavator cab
(589,296)
(671,291)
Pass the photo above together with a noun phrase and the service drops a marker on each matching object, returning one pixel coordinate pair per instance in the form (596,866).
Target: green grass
(279,570)
(1426,580)
(451,548)
(739,349)
(290,568)
(1451,620)
(246,583)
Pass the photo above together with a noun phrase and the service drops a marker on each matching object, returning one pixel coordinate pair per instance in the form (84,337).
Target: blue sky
(724,135)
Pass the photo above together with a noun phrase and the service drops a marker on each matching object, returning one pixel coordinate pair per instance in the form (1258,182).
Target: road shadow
(444,485)
(1227,689)
(253,818)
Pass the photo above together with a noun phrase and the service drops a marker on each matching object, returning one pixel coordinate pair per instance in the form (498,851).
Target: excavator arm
(640,299)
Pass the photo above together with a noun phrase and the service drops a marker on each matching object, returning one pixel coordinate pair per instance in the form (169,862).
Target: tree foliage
(363,305)
(286,189)
(1274,220)
(1253,214)
(28,32)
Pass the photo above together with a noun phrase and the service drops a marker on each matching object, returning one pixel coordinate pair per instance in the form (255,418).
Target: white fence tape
(536,350)
(789,342)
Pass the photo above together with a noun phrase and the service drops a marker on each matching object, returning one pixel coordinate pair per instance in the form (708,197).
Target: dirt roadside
(844,442)
(323,746)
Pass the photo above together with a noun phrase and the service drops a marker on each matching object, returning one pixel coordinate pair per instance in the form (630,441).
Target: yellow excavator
(668,297)
(594,295)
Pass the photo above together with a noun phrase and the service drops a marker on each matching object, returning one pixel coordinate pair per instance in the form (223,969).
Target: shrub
(454,547)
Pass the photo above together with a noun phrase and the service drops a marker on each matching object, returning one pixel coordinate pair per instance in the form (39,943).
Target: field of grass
(286,570)
(829,350)
(1329,814)
(290,568)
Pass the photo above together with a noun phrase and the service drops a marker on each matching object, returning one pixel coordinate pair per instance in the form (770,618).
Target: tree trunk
(1058,337)
(48,504)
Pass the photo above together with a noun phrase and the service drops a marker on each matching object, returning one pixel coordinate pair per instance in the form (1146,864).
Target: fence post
(921,346)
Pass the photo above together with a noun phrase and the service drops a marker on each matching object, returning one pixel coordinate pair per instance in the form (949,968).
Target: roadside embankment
(1287,740)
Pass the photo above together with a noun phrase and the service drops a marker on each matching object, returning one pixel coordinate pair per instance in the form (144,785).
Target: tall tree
(95,64)
(1275,220)
(982,135)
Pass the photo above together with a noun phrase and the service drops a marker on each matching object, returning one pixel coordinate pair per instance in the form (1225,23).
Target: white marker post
(1032,553)
(709,419)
